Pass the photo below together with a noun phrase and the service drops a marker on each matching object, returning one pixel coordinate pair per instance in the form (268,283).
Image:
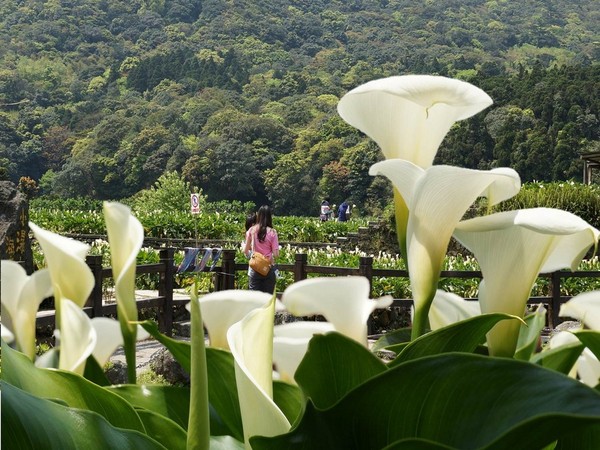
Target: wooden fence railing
(224,278)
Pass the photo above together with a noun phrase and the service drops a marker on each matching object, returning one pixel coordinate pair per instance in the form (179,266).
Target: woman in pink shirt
(264,239)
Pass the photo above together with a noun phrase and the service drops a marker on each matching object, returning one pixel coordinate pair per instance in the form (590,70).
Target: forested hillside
(98,98)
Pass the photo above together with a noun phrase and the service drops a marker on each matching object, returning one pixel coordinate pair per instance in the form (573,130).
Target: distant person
(262,238)
(326,211)
(250,222)
(342,211)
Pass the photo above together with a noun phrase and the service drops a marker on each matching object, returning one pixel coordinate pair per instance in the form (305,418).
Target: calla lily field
(465,375)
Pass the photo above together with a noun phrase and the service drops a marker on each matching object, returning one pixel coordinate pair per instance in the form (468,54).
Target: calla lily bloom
(408,117)
(448,308)
(251,343)
(290,344)
(77,338)
(21,298)
(126,236)
(222,309)
(437,199)
(584,307)
(344,301)
(512,248)
(71,276)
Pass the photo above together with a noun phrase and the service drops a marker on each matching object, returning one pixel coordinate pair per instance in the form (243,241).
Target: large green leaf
(74,390)
(586,439)
(30,422)
(222,394)
(334,365)
(168,401)
(560,359)
(393,338)
(529,335)
(163,430)
(289,398)
(459,400)
(463,336)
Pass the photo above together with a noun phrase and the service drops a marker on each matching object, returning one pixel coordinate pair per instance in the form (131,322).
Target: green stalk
(199,423)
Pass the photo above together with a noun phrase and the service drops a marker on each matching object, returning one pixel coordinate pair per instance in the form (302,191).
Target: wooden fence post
(555,301)
(300,266)
(165,289)
(95,300)
(227,275)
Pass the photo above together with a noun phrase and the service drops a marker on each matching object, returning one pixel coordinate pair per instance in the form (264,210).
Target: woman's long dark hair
(264,219)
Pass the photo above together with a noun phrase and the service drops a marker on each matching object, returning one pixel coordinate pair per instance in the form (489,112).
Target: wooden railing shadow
(225,275)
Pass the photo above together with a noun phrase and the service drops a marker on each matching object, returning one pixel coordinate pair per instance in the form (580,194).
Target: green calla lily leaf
(225,443)
(222,393)
(163,430)
(591,339)
(399,336)
(172,402)
(529,335)
(341,364)
(289,398)
(560,359)
(443,399)
(74,390)
(586,439)
(417,444)
(95,373)
(463,336)
(70,427)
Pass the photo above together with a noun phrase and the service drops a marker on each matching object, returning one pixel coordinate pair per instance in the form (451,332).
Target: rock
(14,226)
(163,363)
(117,372)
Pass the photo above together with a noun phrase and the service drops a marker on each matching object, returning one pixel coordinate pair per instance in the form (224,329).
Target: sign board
(195,203)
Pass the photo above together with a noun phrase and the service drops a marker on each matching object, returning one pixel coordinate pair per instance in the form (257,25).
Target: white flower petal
(344,301)
(517,246)
(71,276)
(588,368)
(437,199)
(77,338)
(448,308)
(251,343)
(222,309)
(21,298)
(126,236)
(584,307)
(409,116)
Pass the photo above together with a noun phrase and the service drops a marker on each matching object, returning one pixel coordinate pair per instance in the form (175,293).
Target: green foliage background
(99,99)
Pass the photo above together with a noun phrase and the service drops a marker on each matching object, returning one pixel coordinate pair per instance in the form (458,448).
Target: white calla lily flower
(21,298)
(343,301)
(109,337)
(290,344)
(71,276)
(408,116)
(437,199)
(512,248)
(126,236)
(584,307)
(222,309)
(448,308)
(251,343)
(77,338)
